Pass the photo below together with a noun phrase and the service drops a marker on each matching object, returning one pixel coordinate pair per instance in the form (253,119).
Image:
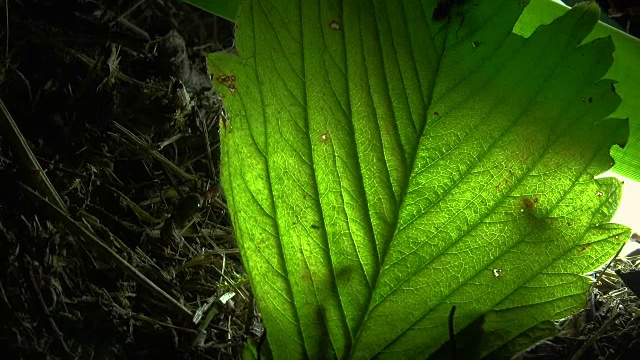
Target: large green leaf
(382,166)
(625,69)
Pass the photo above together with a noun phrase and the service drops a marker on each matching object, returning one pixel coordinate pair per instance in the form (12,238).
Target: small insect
(187,212)
(497,272)
(194,203)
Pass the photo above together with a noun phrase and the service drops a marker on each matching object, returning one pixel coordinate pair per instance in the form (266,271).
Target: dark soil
(132,254)
(114,100)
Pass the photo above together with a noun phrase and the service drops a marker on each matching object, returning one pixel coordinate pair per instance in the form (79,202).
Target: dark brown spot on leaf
(529,203)
(229,81)
(585,247)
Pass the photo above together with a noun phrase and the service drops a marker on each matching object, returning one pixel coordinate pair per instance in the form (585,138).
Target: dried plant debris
(607,328)
(115,103)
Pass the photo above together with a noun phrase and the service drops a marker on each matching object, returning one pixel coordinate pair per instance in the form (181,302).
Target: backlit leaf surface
(381,166)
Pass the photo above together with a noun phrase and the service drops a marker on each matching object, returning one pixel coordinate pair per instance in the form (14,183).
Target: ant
(188,210)
(195,202)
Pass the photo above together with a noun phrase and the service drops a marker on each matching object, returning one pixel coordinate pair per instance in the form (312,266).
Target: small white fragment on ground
(227,296)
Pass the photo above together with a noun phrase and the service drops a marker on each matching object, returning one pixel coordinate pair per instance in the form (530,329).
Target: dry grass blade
(145,149)
(20,145)
(82,232)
